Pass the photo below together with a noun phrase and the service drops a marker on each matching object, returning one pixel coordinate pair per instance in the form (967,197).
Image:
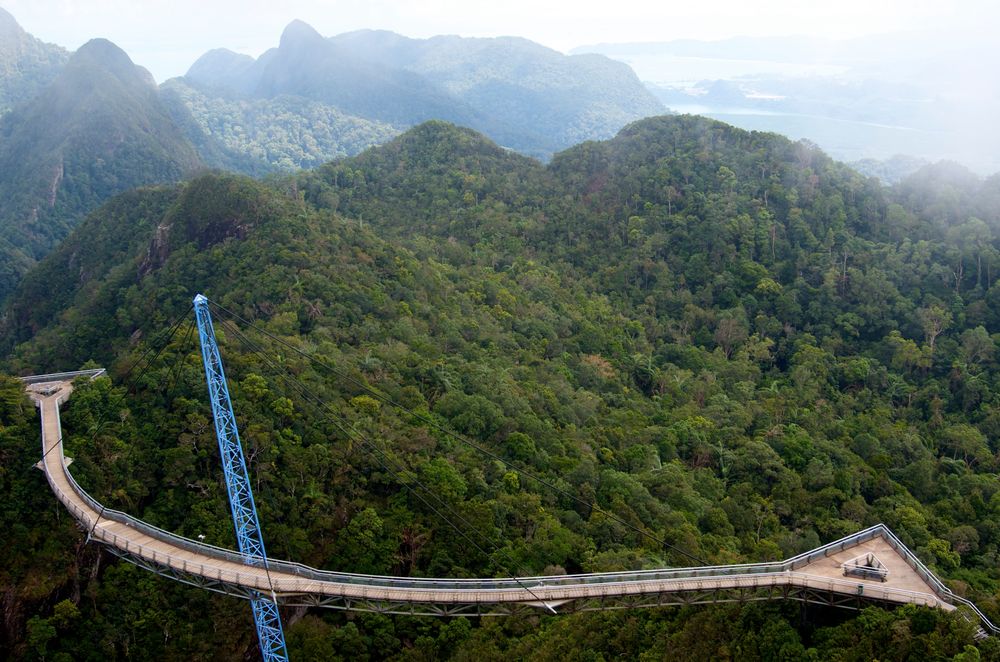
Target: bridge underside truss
(665,599)
(180,575)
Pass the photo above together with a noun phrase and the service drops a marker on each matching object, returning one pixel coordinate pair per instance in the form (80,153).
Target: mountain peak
(435,144)
(6,18)
(219,66)
(299,33)
(105,55)
(9,27)
(104,52)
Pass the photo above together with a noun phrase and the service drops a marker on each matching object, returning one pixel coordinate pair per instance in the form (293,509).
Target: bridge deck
(817,576)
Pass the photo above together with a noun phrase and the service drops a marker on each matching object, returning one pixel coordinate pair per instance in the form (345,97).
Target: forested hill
(724,338)
(98,129)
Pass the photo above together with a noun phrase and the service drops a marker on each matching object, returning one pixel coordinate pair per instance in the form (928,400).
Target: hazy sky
(166,36)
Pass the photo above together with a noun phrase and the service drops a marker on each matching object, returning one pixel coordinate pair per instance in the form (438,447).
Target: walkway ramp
(871,566)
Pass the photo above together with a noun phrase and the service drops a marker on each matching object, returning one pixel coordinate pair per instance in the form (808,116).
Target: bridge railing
(314,574)
(306,572)
(611,585)
(62,376)
(916,563)
(745,571)
(986,622)
(751,573)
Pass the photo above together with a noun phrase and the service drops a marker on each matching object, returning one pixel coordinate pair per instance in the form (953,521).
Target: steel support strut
(265,609)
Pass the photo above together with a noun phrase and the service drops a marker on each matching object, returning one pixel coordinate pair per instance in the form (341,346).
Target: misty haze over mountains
(313,98)
(78,128)
(923,94)
(521,94)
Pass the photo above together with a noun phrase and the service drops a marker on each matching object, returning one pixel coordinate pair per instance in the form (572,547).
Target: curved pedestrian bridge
(871,566)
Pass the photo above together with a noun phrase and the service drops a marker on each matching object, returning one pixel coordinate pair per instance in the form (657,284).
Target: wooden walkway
(818,576)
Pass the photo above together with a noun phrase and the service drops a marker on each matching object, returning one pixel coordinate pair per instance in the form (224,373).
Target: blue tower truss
(265,608)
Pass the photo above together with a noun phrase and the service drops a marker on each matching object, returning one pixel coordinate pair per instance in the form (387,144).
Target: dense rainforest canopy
(724,338)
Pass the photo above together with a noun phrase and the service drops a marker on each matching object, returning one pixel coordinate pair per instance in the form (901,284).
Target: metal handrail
(982,617)
(62,376)
(784,568)
(756,571)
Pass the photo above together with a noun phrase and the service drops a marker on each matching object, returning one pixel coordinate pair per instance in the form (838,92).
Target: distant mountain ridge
(521,94)
(305,64)
(578,97)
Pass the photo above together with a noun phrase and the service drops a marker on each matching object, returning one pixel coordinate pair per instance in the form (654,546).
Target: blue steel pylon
(265,609)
